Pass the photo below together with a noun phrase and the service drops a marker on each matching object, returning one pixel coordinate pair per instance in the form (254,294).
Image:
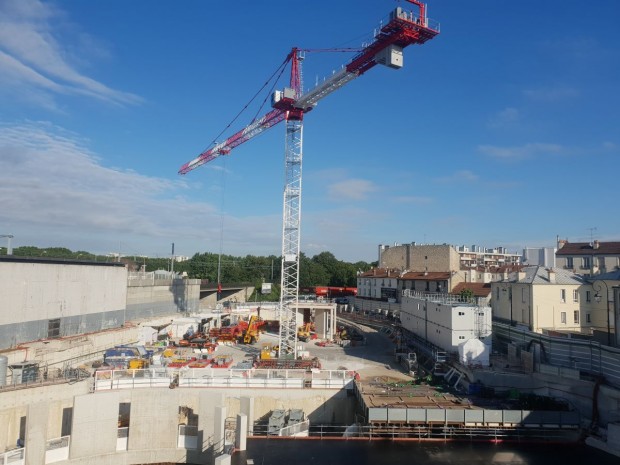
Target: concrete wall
(162,297)
(154,416)
(85,297)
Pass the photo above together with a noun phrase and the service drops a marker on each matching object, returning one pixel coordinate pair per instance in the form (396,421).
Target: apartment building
(588,258)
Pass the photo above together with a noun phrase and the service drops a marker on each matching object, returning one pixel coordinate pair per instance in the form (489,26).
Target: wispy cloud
(551,94)
(52,187)
(506,117)
(413,199)
(36,66)
(520,152)
(352,189)
(462,176)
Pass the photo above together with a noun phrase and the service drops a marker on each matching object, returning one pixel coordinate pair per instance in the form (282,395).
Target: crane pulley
(402,29)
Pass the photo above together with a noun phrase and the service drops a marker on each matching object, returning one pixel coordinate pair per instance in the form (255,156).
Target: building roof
(426,276)
(478,289)
(57,261)
(609,276)
(586,248)
(380,273)
(540,275)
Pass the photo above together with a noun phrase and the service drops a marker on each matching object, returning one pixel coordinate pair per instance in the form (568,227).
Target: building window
(563,318)
(461,313)
(588,296)
(53,328)
(562,295)
(461,337)
(576,316)
(575,295)
(523,295)
(585,263)
(569,262)
(588,318)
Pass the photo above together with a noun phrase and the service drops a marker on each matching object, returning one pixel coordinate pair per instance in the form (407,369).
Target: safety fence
(222,378)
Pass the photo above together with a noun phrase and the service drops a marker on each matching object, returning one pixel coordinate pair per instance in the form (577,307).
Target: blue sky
(501,131)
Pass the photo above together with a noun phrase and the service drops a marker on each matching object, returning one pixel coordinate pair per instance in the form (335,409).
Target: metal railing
(13,457)
(446,299)
(222,378)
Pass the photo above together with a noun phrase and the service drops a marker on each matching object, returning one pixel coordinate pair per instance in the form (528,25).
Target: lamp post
(598,288)
(509,290)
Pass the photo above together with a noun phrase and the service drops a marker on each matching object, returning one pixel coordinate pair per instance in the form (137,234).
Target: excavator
(303,332)
(252,332)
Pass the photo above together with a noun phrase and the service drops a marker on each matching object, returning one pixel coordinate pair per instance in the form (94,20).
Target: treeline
(323,269)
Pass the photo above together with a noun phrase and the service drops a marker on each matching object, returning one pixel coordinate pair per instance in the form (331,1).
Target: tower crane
(403,27)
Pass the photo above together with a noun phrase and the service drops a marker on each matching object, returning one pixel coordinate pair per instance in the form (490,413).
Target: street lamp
(597,297)
(509,290)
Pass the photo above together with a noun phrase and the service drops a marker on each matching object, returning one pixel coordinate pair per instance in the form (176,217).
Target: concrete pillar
(241,434)
(36,433)
(223,460)
(247,408)
(218,432)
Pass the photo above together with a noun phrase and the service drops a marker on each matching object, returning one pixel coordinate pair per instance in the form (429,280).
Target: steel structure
(402,28)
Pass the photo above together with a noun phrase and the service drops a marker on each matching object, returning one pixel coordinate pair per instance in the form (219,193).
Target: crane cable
(278,72)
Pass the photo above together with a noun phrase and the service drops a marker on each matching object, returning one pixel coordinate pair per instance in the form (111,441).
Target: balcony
(56,450)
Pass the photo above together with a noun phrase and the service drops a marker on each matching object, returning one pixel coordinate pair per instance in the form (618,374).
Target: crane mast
(402,28)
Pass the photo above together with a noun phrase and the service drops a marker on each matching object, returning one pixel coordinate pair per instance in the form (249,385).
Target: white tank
(4,363)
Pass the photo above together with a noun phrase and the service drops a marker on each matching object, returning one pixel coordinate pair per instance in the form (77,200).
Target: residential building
(483,257)
(545,300)
(444,257)
(379,284)
(588,258)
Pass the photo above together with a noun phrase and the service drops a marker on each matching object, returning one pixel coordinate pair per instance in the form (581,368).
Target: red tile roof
(380,273)
(430,276)
(479,289)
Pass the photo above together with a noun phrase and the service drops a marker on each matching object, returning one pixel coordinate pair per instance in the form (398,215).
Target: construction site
(100,386)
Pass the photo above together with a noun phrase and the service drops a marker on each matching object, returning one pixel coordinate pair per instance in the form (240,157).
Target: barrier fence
(218,377)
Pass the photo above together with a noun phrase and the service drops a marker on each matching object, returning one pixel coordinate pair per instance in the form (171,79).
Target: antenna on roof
(592,234)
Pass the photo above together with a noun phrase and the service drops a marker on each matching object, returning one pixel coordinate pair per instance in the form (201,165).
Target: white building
(446,321)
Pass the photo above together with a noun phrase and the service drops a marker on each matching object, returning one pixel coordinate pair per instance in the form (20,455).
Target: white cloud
(524,151)
(460,176)
(552,94)
(506,117)
(412,199)
(53,189)
(351,189)
(34,60)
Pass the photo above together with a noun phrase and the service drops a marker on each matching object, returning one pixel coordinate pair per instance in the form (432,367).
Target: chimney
(597,244)
(562,243)
(520,275)
(551,275)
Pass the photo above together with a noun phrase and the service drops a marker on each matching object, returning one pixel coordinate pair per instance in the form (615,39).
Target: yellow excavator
(303,332)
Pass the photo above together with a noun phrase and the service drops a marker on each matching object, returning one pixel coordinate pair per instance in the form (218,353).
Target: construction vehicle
(304,333)
(252,332)
(403,28)
(268,352)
